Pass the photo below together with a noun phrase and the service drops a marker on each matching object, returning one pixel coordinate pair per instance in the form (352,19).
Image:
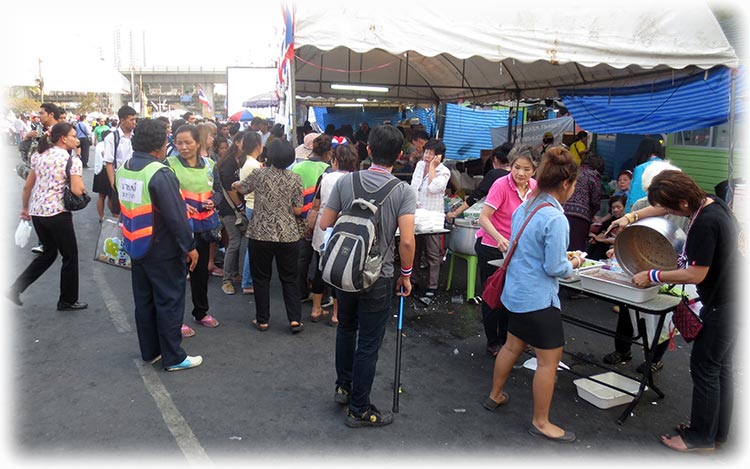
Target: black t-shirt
(484,187)
(229,172)
(713,241)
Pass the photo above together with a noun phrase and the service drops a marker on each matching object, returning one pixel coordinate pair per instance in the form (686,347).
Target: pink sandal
(187,331)
(208,321)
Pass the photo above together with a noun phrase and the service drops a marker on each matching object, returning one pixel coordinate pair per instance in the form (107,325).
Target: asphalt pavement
(79,392)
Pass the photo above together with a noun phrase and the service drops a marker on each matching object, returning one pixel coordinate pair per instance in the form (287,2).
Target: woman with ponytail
(531,287)
(42,204)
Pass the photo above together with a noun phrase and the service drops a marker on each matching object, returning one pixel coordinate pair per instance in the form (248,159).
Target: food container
(603,396)
(463,236)
(574,277)
(651,243)
(615,284)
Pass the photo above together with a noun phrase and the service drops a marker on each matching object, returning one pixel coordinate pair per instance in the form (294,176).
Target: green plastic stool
(471,272)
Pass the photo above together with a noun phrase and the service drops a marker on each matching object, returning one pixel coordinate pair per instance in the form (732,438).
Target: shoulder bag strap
(520,232)
(116,139)
(67,170)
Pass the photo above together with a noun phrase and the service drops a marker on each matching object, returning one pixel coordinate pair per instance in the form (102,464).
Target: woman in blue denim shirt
(531,286)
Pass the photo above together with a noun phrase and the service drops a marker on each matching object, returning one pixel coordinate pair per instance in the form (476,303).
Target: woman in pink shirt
(505,195)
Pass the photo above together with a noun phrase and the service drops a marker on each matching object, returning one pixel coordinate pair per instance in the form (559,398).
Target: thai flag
(202,99)
(287,47)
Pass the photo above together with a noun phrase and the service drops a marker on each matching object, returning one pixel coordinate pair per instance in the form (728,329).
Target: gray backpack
(352,259)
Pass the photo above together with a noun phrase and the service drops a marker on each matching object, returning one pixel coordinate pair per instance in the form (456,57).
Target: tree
(89,103)
(23,104)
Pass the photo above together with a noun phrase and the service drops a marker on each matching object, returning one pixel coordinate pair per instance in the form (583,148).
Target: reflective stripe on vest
(196,187)
(135,205)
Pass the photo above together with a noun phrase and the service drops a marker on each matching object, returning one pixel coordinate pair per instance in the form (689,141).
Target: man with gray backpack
(358,261)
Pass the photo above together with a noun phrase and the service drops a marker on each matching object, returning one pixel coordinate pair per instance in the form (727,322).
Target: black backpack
(352,259)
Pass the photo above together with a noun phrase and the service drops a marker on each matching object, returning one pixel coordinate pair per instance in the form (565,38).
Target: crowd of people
(187,191)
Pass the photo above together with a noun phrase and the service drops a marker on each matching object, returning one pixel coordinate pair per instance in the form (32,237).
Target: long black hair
(57,132)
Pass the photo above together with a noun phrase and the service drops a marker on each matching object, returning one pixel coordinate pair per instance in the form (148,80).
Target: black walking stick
(397,379)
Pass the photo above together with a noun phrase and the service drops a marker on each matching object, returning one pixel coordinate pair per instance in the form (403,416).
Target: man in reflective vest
(158,238)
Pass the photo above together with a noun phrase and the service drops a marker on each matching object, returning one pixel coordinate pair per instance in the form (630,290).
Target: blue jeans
(362,320)
(711,370)
(247,278)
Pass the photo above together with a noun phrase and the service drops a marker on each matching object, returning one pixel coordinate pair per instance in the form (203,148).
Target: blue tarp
(467,130)
(695,102)
(373,116)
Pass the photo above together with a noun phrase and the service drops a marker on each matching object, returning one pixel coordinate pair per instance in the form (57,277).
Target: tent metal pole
(292,102)
(730,155)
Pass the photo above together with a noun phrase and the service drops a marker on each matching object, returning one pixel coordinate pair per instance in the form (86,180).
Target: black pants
(262,254)
(56,233)
(624,334)
(199,279)
(711,370)
(495,321)
(85,146)
(159,296)
(304,257)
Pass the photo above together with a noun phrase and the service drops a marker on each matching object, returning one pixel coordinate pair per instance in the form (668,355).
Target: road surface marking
(186,440)
(116,313)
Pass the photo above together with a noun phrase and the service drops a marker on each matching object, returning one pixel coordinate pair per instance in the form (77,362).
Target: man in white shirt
(429,180)
(114,158)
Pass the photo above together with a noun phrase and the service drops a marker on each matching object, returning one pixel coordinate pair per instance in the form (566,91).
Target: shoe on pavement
(372,417)
(187,331)
(342,396)
(208,321)
(616,358)
(328,303)
(71,306)
(248,291)
(187,363)
(227,288)
(14,296)
(38,249)
(154,360)
(656,366)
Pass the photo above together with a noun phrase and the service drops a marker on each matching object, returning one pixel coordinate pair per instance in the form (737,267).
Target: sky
(185,33)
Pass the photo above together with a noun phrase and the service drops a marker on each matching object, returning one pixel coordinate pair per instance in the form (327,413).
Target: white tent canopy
(63,69)
(485,50)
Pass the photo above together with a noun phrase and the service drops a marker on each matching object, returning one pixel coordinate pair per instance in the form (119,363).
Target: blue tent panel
(372,115)
(695,102)
(467,131)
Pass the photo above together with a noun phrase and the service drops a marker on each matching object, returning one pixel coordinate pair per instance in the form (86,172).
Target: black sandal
(260,327)
(296,329)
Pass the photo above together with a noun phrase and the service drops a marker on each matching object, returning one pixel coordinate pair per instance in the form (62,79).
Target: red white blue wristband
(406,272)
(654,276)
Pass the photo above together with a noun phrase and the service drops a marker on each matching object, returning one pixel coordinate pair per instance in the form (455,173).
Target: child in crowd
(599,243)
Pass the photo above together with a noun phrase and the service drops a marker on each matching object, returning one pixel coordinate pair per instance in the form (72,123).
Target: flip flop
(322,315)
(669,442)
(333,322)
(296,329)
(489,404)
(260,327)
(566,437)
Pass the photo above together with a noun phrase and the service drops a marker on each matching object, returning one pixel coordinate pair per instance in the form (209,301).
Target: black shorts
(541,329)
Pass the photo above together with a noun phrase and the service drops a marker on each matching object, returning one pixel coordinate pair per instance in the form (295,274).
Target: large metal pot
(651,243)
(463,236)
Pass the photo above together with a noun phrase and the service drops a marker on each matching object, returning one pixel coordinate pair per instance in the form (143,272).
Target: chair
(472,261)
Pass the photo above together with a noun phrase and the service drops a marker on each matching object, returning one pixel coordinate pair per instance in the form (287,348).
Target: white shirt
(98,157)
(326,186)
(430,194)
(124,148)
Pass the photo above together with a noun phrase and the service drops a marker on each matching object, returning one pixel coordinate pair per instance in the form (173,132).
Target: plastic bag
(109,248)
(23,232)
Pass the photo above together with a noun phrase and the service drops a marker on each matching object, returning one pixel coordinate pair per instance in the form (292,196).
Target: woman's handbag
(493,287)
(71,201)
(686,320)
